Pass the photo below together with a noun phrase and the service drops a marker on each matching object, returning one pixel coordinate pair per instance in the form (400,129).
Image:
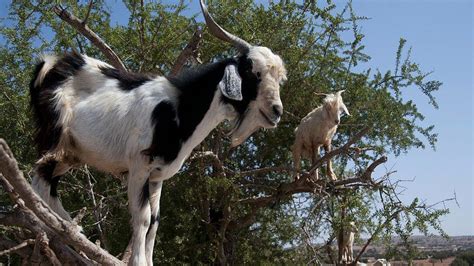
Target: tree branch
(43,243)
(263,170)
(23,217)
(97,210)
(367,175)
(84,21)
(82,28)
(191,50)
(17,247)
(375,233)
(69,232)
(305,185)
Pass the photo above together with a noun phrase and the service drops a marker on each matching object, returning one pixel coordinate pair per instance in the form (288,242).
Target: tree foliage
(323,49)
(465,258)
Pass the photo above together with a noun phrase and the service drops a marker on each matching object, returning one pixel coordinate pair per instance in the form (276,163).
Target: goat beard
(244,126)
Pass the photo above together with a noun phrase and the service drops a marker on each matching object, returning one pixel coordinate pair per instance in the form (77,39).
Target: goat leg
(330,172)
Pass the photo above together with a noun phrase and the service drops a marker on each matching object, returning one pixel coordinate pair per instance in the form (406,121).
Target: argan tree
(227,205)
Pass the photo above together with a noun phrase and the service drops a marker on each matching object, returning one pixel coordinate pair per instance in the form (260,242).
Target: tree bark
(67,232)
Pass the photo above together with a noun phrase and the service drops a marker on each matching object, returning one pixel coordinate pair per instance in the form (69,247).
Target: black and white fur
(87,112)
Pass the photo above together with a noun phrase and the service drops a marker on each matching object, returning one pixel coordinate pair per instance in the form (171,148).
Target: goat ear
(340,92)
(231,83)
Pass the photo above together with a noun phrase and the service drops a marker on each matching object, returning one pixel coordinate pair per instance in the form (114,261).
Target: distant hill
(425,244)
(441,243)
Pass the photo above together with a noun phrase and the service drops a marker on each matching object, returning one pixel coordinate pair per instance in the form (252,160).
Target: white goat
(381,262)
(87,112)
(347,242)
(317,129)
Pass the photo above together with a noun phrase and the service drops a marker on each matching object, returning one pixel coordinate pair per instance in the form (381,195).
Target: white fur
(49,61)
(317,129)
(265,61)
(272,74)
(347,242)
(381,262)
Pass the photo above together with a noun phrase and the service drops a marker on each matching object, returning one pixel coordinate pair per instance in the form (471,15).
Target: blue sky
(441,36)
(440,33)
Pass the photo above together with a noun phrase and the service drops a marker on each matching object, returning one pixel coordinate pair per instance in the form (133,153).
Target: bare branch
(263,170)
(81,27)
(36,258)
(367,175)
(11,193)
(79,44)
(24,252)
(443,202)
(374,234)
(80,215)
(191,50)
(84,21)
(23,217)
(17,247)
(456,199)
(69,232)
(97,210)
(43,242)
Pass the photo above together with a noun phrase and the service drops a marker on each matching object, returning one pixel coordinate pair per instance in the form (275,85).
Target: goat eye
(258,74)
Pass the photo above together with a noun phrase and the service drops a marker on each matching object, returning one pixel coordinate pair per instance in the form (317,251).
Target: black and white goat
(87,112)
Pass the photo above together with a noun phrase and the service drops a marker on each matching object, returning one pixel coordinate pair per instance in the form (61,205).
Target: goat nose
(277,110)
(337,121)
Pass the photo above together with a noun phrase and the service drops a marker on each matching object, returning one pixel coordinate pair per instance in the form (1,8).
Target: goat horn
(222,34)
(321,94)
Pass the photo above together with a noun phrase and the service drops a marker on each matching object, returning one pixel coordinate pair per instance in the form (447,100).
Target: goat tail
(45,64)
